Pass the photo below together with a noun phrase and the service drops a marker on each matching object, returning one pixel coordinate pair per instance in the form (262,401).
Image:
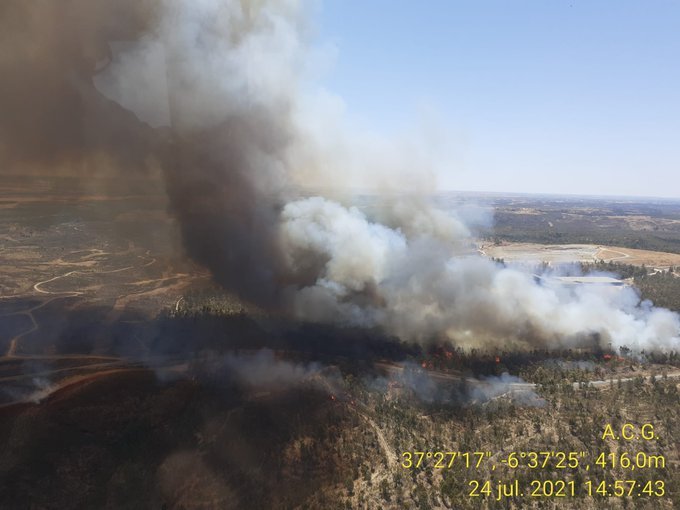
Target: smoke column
(235,123)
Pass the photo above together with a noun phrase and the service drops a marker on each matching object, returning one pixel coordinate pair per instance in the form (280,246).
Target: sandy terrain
(564,253)
(639,257)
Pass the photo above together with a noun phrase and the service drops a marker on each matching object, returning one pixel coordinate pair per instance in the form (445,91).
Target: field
(647,224)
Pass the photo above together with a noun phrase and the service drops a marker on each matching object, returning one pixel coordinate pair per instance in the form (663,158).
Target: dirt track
(99,370)
(137,286)
(107,365)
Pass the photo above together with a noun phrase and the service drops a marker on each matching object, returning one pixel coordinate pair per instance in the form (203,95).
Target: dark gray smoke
(73,104)
(53,119)
(217,94)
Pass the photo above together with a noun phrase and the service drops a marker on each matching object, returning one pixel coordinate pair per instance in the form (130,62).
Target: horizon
(579,98)
(376,191)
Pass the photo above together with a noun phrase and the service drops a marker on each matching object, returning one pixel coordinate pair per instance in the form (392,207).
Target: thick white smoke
(420,286)
(250,125)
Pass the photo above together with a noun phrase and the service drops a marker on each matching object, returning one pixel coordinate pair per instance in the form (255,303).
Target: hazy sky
(552,96)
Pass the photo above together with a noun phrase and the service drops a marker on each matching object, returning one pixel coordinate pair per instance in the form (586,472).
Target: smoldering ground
(234,354)
(263,373)
(89,86)
(128,440)
(454,389)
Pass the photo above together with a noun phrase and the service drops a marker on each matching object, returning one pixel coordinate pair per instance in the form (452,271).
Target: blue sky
(549,96)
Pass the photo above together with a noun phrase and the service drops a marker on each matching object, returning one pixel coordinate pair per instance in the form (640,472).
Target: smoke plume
(220,95)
